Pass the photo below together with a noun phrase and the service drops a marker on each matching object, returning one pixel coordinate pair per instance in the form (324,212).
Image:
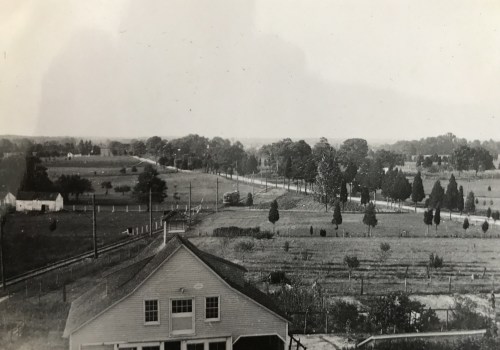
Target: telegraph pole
(94,227)
(217,196)
(190,201)
(253,184)
(2,267)
(150,214)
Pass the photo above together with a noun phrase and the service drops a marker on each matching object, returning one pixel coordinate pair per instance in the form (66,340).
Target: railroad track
(72,260)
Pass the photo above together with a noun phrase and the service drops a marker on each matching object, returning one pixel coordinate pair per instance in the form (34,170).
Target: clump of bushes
(322,232)
(234,231)
(244,246)
(435,261)
(278,277)
(286,246)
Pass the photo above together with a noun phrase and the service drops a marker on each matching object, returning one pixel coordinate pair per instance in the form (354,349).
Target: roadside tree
(417,191)
(370,218)
(470,206)
(337,216)
(274,214)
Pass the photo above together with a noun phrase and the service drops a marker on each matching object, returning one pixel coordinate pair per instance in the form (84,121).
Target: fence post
(326,322)
(406,287)
(98,208)
(447,319)
(305,322)
(449,284)
(126,209)
(139,208)
(113,209)
(73,207)
(85,208)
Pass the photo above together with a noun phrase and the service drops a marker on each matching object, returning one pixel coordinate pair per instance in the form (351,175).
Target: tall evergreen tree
(417,191)
(452,195)
(288,170)
(337,216)
(488,213)
(470,205)
(350,174)
(402,187)
(428,216)
(437,195)
(328,180)
(370,218)
(389,184)
(437,217)
(274,214)
(484,227)
(365,196)
(343,193)
(465,225)
(460,203)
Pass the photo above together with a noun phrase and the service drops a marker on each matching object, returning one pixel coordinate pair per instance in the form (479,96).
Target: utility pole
(217,196)
(2,267)
(94,227)
(190,201)
(150,213)
(253,183)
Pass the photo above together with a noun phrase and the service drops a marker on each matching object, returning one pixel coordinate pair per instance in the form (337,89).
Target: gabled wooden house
(180,298)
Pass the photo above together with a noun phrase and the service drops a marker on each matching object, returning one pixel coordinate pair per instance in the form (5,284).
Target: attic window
(151,311)
(212,309)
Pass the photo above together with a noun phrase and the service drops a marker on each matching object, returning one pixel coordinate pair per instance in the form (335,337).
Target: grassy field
(29,243)
(321,259)
(297,223)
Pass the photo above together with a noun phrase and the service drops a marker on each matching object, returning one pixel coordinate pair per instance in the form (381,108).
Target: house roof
(174,215)
(44,196)
(121,283)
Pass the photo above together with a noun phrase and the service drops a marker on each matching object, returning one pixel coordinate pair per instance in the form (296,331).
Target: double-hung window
(151,312)
(182,316)
(212,309)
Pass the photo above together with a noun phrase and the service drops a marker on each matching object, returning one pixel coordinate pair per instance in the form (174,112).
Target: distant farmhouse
(39,201)
(73,155)
(106,152)
(180,298)
(7,198)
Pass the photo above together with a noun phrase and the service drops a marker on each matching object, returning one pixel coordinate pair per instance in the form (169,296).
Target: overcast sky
(373,69)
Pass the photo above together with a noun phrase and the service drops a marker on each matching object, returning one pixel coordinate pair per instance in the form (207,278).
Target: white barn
(7,198)
(39,201)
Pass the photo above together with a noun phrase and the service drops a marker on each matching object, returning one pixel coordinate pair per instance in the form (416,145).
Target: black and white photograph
(249,174)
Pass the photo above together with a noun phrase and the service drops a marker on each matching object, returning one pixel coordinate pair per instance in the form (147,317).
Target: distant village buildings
(178,298)
(39,201)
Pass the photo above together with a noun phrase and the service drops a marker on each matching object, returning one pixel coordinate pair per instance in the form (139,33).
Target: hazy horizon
(384,70)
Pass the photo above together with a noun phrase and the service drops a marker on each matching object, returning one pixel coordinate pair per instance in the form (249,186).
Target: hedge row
(234,231)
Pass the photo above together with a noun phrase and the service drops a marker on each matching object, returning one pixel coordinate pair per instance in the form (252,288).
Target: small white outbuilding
(39,201)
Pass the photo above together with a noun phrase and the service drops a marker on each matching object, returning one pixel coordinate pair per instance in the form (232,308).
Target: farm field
(29,243)
(321,259)
(297,223)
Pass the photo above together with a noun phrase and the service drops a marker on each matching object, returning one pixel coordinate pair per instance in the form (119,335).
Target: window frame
(151,323)
(173,315)
(218,309)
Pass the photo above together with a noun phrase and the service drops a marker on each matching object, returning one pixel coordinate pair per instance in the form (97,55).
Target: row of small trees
(369,218)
